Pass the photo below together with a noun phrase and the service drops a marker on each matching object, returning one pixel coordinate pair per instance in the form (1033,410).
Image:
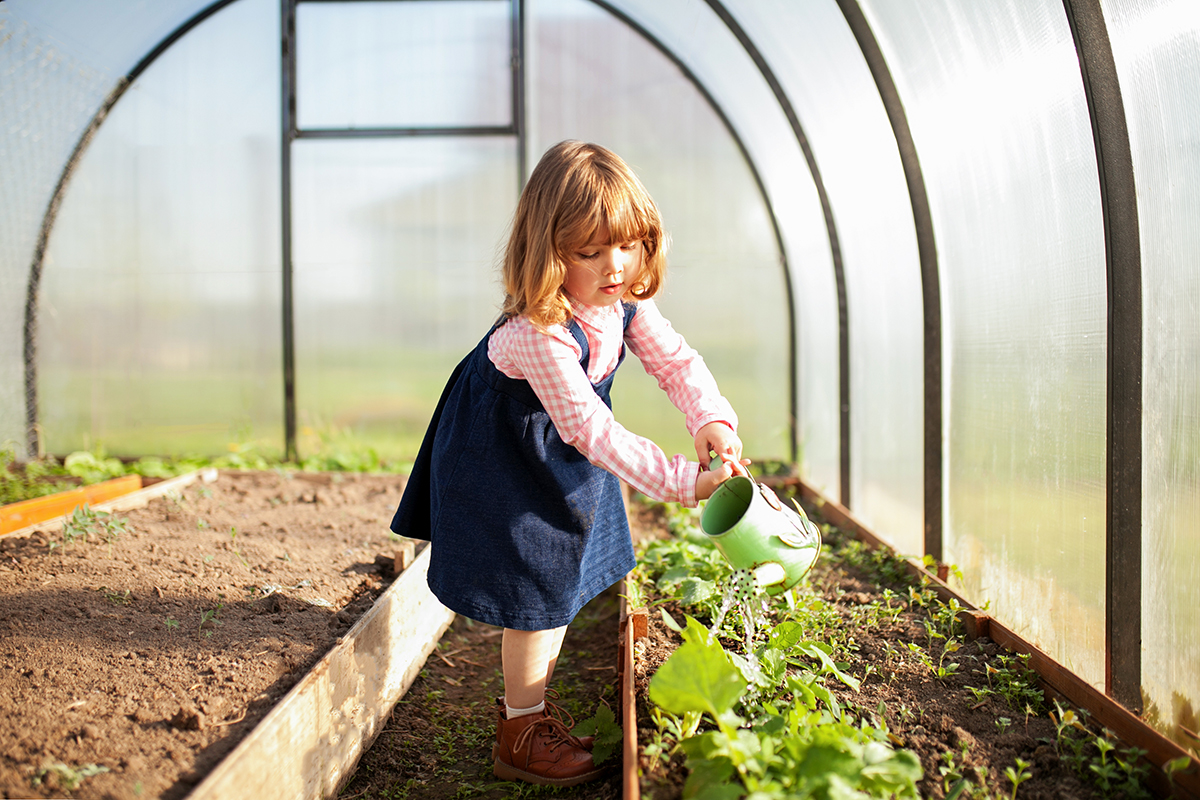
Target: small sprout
(172,624)
(209,619)
(1018,776)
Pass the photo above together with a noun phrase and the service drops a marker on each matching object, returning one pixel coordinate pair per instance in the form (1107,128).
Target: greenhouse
(935,253)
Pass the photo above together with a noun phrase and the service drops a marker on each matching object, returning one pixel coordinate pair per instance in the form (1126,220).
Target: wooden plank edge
(630,786)
(38,510)
(1058,678)
(136,499)
(309,744)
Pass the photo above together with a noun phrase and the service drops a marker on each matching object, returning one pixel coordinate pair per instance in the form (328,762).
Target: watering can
(756,532)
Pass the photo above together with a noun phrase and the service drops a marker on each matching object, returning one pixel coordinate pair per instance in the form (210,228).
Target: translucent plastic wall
(159,310)
(725,288)
(50,86)
(995,100)
(1157,48)
(821,69)
(692,31)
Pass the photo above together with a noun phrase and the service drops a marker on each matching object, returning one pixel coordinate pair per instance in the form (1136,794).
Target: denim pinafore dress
(524,529)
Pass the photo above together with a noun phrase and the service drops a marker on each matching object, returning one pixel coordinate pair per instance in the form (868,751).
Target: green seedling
(69,778)
(116,598)
(1018,776)
(233,541)
(85,521)
(209,618)
(172,624)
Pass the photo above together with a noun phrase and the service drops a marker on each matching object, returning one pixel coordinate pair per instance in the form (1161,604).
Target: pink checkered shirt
(550,362)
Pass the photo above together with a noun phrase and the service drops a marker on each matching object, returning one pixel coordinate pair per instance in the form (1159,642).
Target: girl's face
(600,272)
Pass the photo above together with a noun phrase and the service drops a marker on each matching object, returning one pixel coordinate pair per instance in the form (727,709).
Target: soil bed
(133,662)
(956,733)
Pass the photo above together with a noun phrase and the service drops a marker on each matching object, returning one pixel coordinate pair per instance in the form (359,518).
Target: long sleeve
(549,361)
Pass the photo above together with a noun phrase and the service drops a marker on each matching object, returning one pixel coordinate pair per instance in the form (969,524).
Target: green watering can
(756,532)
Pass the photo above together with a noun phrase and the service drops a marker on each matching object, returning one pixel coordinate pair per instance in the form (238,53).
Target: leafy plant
(85,521)
(603,726)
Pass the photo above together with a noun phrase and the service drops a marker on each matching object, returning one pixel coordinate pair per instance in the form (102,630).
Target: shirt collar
(597,317)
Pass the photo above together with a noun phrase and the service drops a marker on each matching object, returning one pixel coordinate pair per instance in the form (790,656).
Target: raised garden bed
(877,680)
(141,647)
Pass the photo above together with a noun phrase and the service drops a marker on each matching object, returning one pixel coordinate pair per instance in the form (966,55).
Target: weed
(172,624)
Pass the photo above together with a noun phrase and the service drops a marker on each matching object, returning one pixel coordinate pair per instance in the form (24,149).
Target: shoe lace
(553,728)
(558,712)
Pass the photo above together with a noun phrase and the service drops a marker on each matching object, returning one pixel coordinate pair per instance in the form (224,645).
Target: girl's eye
(629,246)
(587,256)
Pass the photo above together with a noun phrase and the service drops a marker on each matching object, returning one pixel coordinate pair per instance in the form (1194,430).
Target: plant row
(761,696)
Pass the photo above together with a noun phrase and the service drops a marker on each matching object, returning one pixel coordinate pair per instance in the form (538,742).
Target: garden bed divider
(118,494)
(1055,677)
(309,744)
(27,514)
(634,626)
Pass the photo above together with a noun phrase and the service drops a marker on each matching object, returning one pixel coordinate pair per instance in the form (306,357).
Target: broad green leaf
(695,590)
(669,621)
(786,635)
(697,677)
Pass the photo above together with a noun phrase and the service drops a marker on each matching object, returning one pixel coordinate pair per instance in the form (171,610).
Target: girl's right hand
(709,480)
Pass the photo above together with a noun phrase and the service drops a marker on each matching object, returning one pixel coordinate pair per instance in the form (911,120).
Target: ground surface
(151,658)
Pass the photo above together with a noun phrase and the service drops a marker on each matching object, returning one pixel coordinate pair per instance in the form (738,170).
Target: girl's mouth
(613,288)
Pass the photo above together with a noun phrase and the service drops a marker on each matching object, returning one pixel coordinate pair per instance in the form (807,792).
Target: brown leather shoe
(539,748)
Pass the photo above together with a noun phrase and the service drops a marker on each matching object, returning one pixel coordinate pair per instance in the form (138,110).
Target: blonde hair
(574,191)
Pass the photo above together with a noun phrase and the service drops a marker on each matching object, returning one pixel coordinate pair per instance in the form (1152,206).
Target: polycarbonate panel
(159,314)
(401,64)
(725,290)
(59,59)
(821,68)
(396,253)
(995,99)
(1157,49)
(693,32)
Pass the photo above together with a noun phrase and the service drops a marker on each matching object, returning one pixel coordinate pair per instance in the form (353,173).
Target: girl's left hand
(719,438)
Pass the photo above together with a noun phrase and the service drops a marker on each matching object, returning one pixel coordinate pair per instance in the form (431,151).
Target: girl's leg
(533,744)
(529,658)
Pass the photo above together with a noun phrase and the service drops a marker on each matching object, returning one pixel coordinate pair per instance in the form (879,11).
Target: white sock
(513,713)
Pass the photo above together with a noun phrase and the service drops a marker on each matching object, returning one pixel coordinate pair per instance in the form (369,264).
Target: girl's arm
(683,375)
(550,363)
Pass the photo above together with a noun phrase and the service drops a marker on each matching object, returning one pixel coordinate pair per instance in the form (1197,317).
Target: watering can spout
(756,532)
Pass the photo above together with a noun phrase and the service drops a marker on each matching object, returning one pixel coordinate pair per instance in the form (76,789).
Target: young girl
(516,483)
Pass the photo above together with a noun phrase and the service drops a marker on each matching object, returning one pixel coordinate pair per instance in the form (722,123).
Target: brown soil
(152,657)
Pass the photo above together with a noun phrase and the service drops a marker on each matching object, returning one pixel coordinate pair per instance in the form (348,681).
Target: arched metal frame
(1123,260)
(927,257)
(1122,248)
